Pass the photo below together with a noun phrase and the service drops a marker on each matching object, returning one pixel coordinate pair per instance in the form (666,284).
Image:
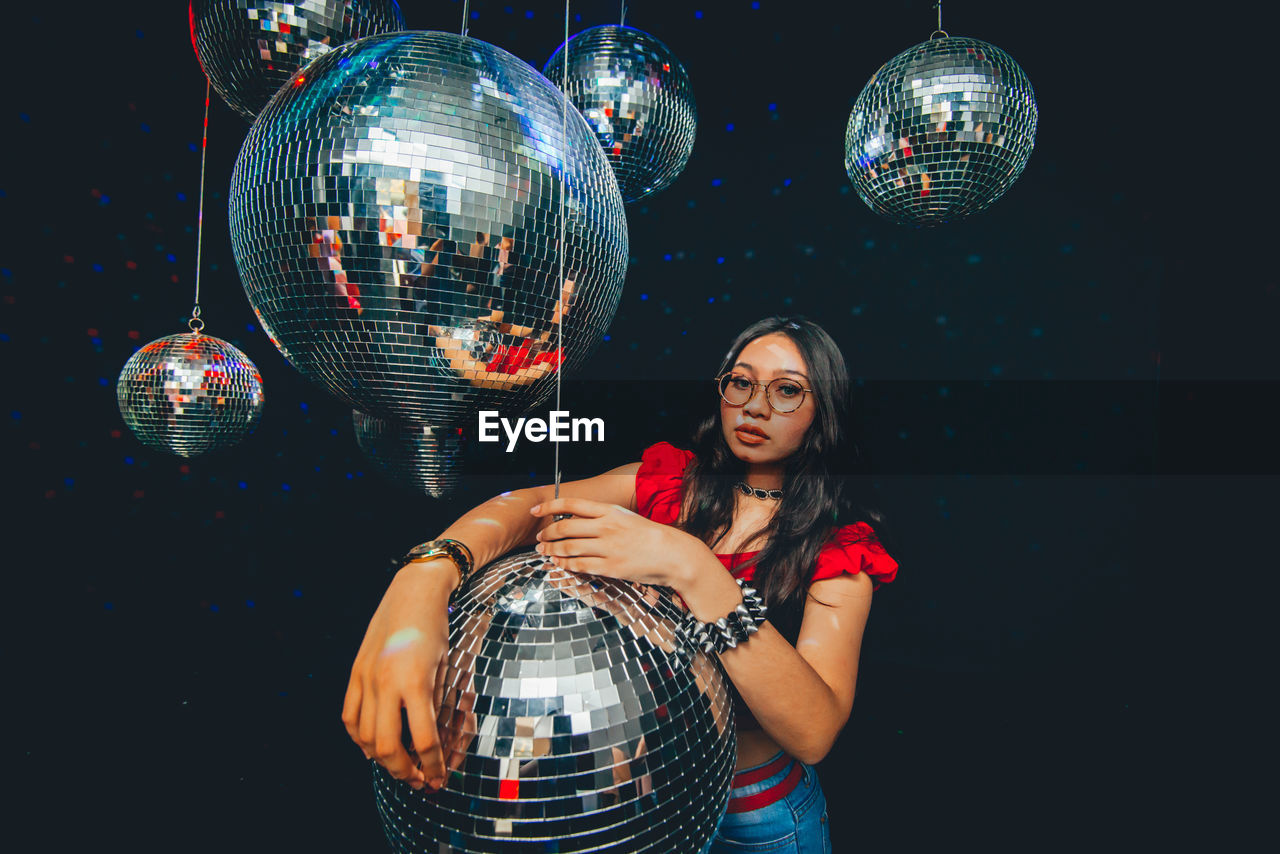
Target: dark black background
(1052,407)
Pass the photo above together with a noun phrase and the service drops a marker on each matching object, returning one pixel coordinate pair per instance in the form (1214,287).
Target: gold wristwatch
(454,550)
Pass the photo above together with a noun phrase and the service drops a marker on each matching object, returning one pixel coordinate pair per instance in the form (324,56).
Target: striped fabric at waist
(773,793)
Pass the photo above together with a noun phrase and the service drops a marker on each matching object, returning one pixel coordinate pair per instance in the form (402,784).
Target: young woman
(758,497)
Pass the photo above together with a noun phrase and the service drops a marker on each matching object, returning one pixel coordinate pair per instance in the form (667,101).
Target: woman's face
(763,360)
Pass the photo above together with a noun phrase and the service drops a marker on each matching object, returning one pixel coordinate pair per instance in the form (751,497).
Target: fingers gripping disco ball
(249,48)
(420,457)
(636,96)
(395,216)
(940,131)
(574,718)
(189,394)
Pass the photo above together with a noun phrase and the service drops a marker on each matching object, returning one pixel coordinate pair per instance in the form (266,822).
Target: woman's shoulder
(855,548)
(664,457)
(658,478)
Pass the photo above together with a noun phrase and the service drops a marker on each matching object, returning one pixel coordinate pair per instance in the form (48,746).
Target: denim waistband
(763,784)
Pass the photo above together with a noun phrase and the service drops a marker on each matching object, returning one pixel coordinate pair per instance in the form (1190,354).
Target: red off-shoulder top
(852,549)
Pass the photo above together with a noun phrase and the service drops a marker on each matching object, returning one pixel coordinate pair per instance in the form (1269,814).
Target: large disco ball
(420,457)
(574,718)
(189,394)
(940,131)
(249,48)
(395,215)
(636,96)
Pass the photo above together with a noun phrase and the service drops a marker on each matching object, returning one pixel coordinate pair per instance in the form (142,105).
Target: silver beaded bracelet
(730,630)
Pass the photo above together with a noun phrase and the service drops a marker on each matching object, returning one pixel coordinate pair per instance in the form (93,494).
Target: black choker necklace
(748,489)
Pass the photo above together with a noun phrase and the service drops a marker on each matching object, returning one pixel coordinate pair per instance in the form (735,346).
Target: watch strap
(455,550)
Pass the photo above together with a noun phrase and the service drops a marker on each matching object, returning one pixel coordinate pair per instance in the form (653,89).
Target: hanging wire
(939,30)
(195,323)
(622,16)
(564,162)
(466,14)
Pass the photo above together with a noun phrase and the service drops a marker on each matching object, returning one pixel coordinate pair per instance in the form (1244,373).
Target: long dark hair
(816,499)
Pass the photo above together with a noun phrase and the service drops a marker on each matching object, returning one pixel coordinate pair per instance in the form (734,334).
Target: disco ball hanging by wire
(636,96)
(574,718)
(249,48)
(417,456)
(940,132)
(189,394)
(395,217)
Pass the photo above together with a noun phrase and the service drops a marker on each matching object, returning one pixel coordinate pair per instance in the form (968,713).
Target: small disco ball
(636,96)
(189,394)
(249,48)
(395,217)
(940,131)
(574,718)
(423,458)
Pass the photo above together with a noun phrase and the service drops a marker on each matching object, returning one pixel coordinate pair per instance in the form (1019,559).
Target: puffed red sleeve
(662,466)
(855,549)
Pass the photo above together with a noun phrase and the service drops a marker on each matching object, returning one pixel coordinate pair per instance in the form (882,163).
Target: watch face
(423,548)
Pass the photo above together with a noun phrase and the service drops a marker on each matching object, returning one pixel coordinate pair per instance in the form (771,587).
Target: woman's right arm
(399,661)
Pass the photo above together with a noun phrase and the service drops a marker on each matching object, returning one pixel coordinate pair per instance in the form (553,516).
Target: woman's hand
(397,667)
(609,540)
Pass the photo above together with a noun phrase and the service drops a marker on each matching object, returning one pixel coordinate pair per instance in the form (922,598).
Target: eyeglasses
(783,394)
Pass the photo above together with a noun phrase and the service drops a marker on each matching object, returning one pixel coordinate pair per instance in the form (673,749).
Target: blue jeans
(795,824)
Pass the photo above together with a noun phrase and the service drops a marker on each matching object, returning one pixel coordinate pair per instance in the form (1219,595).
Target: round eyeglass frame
(766,386)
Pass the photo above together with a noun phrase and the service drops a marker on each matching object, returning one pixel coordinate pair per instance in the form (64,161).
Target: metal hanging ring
(936,33)
(196,324)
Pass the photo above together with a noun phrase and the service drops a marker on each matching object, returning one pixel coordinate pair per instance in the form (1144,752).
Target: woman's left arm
(802,695)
